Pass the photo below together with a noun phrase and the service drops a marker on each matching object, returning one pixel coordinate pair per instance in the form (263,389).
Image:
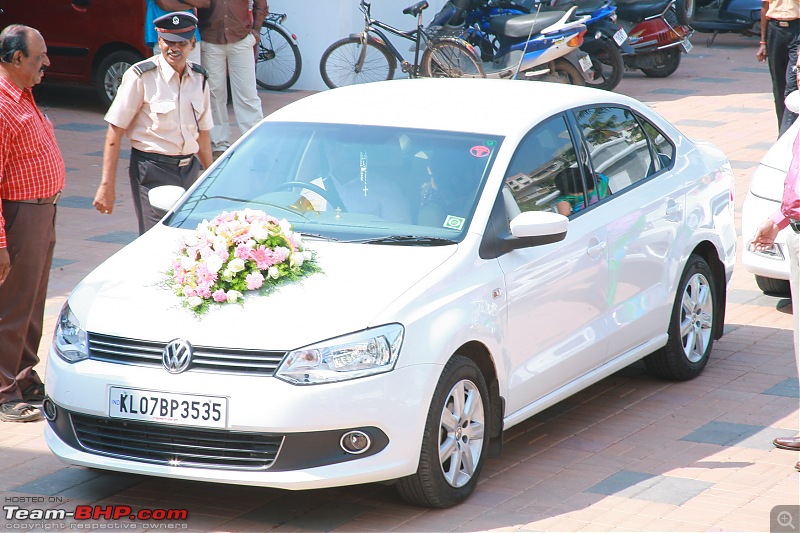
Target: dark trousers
(31,238)
(146,173)
(782,44)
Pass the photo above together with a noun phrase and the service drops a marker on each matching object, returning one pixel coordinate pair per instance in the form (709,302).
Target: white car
(771,267)
(453,298)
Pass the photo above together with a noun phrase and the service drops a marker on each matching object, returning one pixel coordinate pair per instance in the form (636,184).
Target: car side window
(665,152)
(618,147)
(543,174)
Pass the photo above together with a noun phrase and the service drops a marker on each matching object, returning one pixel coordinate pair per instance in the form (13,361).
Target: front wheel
(279,61)
(110,71)
(691,326)
(454,441)
(350,61)
(607,63)
(450,59)
(667,62)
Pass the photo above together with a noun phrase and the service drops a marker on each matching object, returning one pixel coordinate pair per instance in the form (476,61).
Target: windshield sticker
(479,151)
(452,222)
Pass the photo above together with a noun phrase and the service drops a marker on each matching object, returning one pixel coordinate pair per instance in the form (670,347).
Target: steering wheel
(330,195)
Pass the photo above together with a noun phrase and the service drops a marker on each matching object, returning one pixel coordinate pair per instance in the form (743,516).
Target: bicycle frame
(376,27)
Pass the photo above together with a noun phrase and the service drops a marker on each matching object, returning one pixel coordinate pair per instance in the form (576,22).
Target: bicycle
(371,56)
(279,62)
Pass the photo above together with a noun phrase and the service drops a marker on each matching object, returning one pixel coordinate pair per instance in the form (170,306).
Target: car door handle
(596,250)
(673,210)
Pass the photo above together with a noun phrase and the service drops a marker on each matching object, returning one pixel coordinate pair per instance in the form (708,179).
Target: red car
(89,42)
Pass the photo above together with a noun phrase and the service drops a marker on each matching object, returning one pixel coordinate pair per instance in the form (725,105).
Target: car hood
(771,172)
(126,296)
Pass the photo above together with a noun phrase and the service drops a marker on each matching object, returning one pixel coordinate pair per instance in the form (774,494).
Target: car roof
(488,106)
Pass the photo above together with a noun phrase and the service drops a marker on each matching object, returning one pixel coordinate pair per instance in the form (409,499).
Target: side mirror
(544,225)
(165,196)
(793,101)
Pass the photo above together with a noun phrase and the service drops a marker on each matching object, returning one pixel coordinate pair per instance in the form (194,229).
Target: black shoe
(19,411)
(34,393)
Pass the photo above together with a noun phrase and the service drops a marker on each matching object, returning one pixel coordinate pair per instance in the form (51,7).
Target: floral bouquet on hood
(234,253)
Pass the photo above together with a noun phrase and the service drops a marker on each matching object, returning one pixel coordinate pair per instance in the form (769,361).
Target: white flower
(236,265)
(308,255)
(260,232)
(227,275)
(296,259)
(273,272)
(187,263)
(233,296)
(194,301)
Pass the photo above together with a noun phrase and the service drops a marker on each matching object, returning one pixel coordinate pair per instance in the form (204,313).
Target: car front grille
(147,353)
(176,446)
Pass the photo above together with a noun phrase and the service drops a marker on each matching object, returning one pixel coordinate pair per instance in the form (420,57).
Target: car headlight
(364,353)
(70,341)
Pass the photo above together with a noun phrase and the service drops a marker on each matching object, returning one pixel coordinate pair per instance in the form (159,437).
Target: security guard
(780,36)
(163,106)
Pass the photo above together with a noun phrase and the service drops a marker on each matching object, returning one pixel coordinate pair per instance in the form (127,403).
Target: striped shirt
(31,165)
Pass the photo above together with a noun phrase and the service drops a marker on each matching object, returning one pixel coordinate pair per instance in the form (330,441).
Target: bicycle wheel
(279,62)
(339,64)
(450,59)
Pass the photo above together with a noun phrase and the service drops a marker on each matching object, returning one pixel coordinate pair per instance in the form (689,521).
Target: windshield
(349,182)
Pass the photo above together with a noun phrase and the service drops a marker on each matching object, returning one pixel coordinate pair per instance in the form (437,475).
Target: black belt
(179,160)
(784,23)
(795,225)
(40,201)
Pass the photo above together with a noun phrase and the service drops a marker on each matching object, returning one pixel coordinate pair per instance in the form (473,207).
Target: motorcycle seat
(636,10)
(585,7)
(519,26)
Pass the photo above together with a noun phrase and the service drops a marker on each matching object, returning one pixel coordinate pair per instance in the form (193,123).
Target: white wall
(319,23)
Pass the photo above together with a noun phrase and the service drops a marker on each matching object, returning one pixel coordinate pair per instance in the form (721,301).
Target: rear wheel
(667,62)
(691,326)
(773,287)
(607,63)
(110,71)
(454,441)
(566,72)
(349,62)
(450,59)
(279,61)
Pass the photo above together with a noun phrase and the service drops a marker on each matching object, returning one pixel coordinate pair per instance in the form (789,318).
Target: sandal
(19,411)
(34,393)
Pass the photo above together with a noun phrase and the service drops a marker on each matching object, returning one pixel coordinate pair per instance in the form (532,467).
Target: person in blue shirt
(158,8)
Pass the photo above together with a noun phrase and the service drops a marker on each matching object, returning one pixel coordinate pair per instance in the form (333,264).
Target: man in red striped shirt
(31,178)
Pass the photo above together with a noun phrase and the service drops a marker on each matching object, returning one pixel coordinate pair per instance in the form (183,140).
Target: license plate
(620,36)
(687,45)
(168,408)
(586,63)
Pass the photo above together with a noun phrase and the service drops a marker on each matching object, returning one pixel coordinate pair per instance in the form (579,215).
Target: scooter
(542,45)
(724,16)
(658,34)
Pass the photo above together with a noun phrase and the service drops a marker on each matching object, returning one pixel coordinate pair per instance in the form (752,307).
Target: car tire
(773,287)
(110,71)
(691,325)
(456,427)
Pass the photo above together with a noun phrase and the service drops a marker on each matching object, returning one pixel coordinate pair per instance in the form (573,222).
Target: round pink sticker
(479,151)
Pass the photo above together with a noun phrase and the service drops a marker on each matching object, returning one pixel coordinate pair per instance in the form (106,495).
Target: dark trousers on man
(783,38)
(148,171)
(30,240)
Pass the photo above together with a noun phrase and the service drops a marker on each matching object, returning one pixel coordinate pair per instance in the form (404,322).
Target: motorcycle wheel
(671,58)
(691,8)
(566,72)
(607,63)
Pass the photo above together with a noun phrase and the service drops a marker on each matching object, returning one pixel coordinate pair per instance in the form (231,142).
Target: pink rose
(219,296)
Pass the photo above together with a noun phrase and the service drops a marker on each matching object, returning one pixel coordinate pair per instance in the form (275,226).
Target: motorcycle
(658,34)
(542,45)
(724,16)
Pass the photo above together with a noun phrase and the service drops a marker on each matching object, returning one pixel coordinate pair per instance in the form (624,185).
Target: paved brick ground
(631,453)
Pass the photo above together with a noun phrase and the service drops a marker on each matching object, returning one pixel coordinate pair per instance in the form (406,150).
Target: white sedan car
(378,280)
(771,267)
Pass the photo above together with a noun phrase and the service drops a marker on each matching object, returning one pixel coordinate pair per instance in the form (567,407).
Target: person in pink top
(32,175)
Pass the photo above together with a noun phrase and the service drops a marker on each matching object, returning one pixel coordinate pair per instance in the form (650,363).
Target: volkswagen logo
(177,356)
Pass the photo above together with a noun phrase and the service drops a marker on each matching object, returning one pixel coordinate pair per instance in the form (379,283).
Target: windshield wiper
(318,236)
(408,240)
(288,209)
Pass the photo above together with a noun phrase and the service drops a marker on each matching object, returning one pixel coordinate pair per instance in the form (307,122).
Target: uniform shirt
(161,111)
(229,21)
(31,165)
(783,10)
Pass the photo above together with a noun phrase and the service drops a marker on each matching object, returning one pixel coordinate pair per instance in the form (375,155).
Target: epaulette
(142,67)
(200,70)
